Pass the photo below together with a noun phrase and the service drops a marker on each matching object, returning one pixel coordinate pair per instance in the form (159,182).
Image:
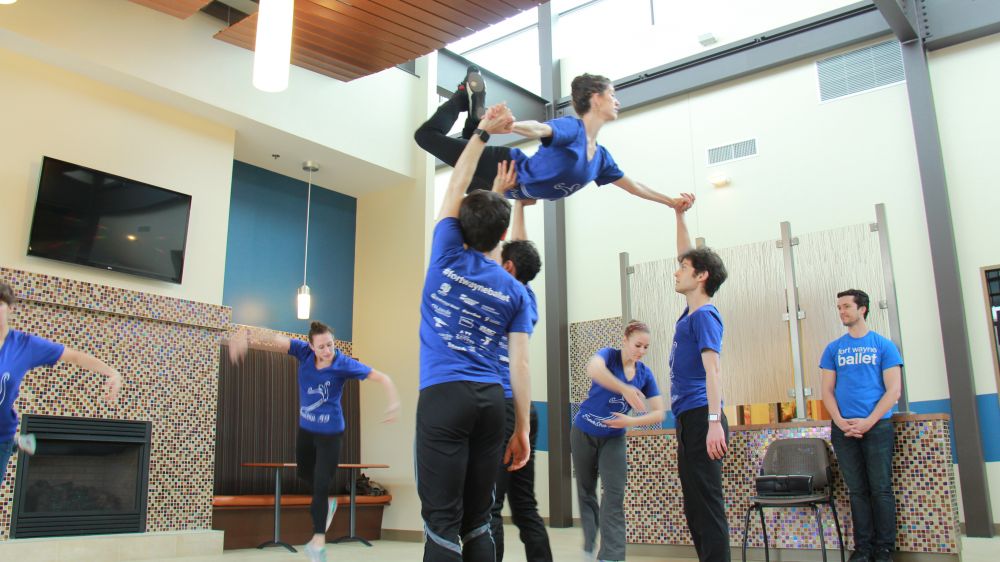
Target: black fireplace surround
(87,477)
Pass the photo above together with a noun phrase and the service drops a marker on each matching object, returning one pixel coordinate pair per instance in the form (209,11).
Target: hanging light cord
(305,262)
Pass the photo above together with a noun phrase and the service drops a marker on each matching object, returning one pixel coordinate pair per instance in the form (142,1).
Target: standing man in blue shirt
(468,303)
(569,158)
(520,258)
(696,395)
(862,380)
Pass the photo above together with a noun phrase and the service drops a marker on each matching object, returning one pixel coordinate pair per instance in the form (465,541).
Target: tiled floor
(565,547)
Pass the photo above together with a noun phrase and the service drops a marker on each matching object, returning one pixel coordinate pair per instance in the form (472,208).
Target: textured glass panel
(826,263)
(756,351)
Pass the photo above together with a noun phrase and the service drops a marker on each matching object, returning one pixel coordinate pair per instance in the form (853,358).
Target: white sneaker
(27,443)
(589,556)
(315,554)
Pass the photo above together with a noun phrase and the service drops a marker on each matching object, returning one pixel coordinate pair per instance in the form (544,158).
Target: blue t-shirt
(505,348)
(601,403)
(693,334)
(859,364)
(560,166)
(320,389)
(468,303)
(20,353)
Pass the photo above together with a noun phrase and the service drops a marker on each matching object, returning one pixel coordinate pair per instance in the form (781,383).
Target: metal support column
(624,271)
(556,316)
(951,306)
(881,226)
(793,316)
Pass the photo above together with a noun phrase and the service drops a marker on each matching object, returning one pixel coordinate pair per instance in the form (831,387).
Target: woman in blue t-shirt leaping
(20,353)
(620,382)
(322,373)
(568,159)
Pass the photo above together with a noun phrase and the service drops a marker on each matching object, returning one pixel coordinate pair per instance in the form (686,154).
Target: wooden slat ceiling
(178,8)
(350,40)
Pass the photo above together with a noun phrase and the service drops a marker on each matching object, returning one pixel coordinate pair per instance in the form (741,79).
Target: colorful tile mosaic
(923,482)
(79,294)
(168,353)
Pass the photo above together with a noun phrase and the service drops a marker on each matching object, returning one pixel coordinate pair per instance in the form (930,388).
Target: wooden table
(354,485)
(277,466)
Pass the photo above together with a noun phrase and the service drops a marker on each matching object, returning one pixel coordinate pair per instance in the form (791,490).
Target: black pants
(519,488)
(459,445)
(317,456)
(701,483)
(433,137)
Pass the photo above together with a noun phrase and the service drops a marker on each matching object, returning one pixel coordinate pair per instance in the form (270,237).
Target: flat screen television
(101,220)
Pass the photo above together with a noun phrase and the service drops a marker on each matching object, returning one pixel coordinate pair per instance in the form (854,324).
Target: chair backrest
(804,455)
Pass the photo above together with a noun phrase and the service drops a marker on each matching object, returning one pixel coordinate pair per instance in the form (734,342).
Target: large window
(618,38)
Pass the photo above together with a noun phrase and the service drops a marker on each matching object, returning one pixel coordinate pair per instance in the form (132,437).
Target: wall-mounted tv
(98,219)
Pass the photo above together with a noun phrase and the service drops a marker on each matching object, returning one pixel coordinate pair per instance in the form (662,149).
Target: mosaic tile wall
(923,475)
(923,482)
(168,353)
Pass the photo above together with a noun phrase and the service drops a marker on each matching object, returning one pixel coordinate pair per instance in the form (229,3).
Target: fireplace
(87,477)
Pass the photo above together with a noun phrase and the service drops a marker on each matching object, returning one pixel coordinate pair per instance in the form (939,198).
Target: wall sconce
(719,180)
(707,39)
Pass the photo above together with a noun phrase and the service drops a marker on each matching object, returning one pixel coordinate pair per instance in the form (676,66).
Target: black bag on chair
(784,485)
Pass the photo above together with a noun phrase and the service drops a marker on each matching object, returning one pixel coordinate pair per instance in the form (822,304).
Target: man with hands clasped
(862,380)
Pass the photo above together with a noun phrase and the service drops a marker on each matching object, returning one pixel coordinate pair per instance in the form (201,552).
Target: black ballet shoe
(475,89)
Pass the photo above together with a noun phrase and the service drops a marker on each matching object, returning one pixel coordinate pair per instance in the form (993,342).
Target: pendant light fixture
(273,45)
(304,299)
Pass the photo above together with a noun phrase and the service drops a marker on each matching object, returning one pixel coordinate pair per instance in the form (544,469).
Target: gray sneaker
(27,443)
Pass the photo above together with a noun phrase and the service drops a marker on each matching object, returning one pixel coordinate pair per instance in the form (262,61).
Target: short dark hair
(584,86)
(860,299)
(524,255)
(705,260)
(483,218)
(7,294)
(318,328)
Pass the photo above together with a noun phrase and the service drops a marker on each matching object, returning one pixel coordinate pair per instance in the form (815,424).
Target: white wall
(182,62)
(47,111)
(964,86)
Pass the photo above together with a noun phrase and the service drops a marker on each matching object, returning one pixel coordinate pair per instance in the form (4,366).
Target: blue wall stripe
(265,252)
(989,421)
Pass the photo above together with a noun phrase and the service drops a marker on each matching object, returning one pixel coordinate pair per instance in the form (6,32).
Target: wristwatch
(714,418)
(483,135)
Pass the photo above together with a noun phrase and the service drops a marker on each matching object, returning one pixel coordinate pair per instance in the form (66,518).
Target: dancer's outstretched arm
(260,339)
(532,129)
(642,190)
(392,410)
(112,385)
(684,244)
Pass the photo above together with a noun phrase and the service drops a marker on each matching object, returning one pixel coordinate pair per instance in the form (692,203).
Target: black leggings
(433,137)
(317,456)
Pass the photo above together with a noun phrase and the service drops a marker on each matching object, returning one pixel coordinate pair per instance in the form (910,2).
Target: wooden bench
(248,520)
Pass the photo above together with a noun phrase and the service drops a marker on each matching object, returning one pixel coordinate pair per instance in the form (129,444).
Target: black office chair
(795,473)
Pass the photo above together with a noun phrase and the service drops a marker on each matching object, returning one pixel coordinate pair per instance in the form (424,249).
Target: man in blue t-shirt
(569,158)
(519,258)
(468,303)
(862,380)
(696,394)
